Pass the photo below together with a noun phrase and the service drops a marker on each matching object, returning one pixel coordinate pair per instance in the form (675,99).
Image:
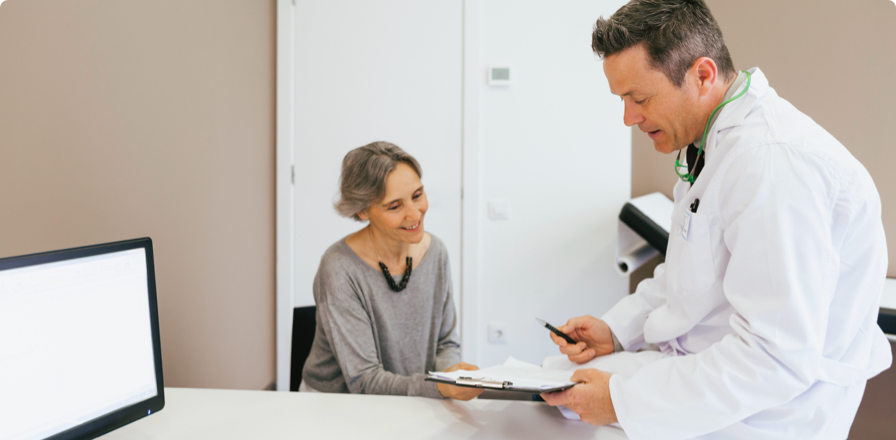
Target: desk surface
(232,414)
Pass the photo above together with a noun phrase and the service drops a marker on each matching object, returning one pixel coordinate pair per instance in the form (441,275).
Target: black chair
(304,323)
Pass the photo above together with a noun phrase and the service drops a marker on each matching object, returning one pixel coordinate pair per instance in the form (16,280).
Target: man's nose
(631,115)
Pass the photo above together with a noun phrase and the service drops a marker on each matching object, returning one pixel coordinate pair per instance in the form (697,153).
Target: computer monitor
(79,341)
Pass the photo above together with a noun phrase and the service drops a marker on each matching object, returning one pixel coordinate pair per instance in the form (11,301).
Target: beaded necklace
(407,273)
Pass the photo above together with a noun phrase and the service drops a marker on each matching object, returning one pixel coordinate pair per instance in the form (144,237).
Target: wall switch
(497,333)
(499,209)
(499,76)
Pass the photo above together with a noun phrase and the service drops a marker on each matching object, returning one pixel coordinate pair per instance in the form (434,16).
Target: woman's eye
(393,207)
(417,196)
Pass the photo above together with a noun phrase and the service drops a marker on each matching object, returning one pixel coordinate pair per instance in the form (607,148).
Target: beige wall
(124,118)
(834,60)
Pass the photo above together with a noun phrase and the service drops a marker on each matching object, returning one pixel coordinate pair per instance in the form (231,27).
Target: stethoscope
(687,177)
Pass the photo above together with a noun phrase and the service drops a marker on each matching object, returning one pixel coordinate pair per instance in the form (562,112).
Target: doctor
(762,321)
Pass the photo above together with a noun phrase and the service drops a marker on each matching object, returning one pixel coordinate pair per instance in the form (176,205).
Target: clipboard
(496,385)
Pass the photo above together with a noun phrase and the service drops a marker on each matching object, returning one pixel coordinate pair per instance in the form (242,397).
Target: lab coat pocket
(690,267)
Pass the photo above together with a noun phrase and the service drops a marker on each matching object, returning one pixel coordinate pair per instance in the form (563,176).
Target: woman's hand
(594,336)
(459,393)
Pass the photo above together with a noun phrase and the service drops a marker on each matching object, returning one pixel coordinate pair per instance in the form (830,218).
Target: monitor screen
(79,345)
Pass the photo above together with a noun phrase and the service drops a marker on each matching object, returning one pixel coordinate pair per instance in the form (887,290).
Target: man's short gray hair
(363,179)
(676,33)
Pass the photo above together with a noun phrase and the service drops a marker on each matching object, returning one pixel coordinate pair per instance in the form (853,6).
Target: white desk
(230,414)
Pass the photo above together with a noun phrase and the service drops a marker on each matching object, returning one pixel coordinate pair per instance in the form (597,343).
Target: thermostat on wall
(499,76)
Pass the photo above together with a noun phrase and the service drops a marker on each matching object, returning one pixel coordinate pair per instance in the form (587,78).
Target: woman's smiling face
(399,215)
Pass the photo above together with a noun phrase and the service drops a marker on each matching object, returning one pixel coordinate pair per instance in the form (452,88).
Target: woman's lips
(413,228)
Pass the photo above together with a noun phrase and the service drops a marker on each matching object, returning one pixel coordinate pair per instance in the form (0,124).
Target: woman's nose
(413,212)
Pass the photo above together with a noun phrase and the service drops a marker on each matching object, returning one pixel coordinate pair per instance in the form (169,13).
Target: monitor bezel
(122,416)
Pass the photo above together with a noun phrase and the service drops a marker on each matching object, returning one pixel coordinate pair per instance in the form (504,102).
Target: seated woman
(378,333)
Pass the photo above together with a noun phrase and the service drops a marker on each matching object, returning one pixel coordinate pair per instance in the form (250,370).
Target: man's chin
(663,147)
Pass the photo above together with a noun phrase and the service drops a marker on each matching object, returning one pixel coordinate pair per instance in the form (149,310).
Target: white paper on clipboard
(520,376)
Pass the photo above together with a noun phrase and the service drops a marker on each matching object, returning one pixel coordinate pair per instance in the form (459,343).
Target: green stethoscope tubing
(687,177)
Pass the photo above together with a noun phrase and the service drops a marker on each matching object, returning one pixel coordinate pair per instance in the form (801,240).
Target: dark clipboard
(469,382)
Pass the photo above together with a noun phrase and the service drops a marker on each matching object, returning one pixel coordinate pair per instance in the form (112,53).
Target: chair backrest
(304,323)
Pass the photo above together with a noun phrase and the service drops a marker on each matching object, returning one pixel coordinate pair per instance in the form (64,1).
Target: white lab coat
(766,312)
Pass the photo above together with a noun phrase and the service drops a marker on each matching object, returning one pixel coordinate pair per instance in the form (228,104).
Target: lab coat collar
(733,114)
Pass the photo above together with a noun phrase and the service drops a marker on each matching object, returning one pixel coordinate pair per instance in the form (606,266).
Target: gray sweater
(372,340)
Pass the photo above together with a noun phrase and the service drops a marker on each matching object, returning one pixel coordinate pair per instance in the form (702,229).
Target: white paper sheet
(522,374)
(888,298)
(632,251)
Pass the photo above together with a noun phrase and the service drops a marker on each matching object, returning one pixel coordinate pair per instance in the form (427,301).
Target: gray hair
(363,179)
(675,33)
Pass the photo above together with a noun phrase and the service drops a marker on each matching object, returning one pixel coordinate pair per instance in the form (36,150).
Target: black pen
(556,332)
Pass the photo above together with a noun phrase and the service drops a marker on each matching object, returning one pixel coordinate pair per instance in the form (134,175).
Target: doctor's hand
(590,398)
(459,393)
(594,336)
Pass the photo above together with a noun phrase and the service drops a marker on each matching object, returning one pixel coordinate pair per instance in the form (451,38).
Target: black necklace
(404,280)
(407,273)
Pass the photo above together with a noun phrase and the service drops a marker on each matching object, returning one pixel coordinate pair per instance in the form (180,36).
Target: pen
(556,332)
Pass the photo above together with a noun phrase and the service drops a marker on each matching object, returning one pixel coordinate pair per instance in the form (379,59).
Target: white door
(366,71)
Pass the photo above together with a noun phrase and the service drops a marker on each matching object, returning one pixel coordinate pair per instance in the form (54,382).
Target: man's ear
(706,74)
